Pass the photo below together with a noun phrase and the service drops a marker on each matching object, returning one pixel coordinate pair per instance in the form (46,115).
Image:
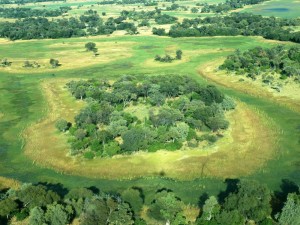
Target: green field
(22,103)
(277,8)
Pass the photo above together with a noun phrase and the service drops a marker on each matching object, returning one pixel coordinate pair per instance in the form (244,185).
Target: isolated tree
(103,13)
(62,125)
(178,54)
(54,63)
(90,46)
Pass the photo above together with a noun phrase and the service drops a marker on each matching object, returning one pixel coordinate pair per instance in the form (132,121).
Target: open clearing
(236,154)
(288,96)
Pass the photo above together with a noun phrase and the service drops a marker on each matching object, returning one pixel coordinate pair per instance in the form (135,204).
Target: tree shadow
(56,187)
(287,186)
(232,187)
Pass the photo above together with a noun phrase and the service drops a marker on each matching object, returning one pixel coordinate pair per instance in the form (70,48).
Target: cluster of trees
(128,2)
(28,12)
(179,108)
(22,2)
(28,64)
(175,7)
(228,5)
(5,62)
(254,62)
(245,24)
(88,24)
(244,202)
(165,19)
(168,58)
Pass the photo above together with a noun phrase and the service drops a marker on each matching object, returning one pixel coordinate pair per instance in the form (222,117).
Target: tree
(178,54)
(165,206)
(291,211)
(33,196)
(96,211)
(90,46)
(122,215)
(210,209)
(57,214)
(54,63)
(62,125)
(7,207)
(133,197)
(252,200)
(37,216)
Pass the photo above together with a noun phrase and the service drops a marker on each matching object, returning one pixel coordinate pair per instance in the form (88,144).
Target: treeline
(22,2)
(228,5)
(176,108)
(28,12)
(244,202)
(128,2)
(253,62)
(245,24)
(88,24)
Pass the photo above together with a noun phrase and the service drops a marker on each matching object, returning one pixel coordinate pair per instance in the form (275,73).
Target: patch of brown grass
(9,183)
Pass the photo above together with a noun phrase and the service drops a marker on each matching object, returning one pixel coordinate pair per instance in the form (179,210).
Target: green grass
(22,103)
(277,8)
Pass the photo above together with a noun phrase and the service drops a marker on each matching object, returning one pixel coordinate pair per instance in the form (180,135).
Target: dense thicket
(229,5)
(27,12)
(243,202)
(21,2)
(237,24)
(88,24)
(179,107)
(257,61)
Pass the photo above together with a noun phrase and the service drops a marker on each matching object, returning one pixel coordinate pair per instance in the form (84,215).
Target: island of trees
(28,12)
(228,5)
(266,62)
(176,111)
(234,24)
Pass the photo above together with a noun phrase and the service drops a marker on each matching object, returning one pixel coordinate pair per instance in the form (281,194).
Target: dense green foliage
(237,24)
(229,5)
(21,2)
(179,107)
(88,24)
(243,202)
(258,61)
(28,12)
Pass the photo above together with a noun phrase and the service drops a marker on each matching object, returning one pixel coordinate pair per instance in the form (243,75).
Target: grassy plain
(23,104)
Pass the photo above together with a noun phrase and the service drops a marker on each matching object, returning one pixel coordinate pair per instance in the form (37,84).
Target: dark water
(277,9)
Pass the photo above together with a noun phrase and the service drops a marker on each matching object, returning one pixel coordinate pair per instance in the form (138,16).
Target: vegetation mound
(176,108)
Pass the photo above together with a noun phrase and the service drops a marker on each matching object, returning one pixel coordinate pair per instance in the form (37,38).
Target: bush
(89,155)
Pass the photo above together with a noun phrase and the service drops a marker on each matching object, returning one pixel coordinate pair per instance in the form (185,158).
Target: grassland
(23,104)
(277,8)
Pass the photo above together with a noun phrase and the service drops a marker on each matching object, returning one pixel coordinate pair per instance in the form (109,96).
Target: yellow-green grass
(70,55)
(288,96)
(8,183)
(224,159)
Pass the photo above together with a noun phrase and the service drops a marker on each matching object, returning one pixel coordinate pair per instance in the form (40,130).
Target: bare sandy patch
(243,149)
